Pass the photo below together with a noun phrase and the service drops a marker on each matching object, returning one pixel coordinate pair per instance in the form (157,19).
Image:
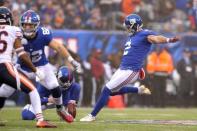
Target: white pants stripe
(127,81)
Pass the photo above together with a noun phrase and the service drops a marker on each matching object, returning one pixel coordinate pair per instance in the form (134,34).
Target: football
(72,109)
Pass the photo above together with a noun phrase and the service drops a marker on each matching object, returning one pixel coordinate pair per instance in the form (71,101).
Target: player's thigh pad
(121,78)
(6,90)
(50,81)
(16,80)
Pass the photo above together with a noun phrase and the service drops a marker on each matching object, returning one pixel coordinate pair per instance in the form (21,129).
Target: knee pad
(27,113)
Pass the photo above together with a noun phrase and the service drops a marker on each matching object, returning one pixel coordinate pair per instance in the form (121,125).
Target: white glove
(76,65)
(39,74)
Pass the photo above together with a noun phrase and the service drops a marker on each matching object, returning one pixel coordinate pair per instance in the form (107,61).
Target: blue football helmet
(65,77)
(133,23)
(32,19)
(5,16)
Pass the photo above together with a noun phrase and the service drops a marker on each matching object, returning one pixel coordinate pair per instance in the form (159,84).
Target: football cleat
(64,115)
(143,90)
(88,118)
(44,124)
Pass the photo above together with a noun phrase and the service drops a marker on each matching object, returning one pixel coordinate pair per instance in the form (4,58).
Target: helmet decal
(5,16)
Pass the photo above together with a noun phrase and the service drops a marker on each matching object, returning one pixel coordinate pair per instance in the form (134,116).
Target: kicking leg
(140,90)
(118,80)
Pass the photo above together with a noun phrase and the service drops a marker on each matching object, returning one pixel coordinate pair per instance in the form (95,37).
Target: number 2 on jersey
(36,55)
(127,46)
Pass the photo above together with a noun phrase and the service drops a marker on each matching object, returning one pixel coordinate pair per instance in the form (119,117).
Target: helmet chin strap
(131,32)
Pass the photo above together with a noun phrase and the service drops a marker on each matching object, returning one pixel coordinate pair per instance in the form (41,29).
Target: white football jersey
(8,34)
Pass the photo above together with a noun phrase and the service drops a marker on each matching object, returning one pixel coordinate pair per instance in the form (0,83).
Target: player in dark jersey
(70,94)
(136,49)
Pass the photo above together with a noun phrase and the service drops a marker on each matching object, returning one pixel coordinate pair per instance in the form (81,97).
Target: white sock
(36,104)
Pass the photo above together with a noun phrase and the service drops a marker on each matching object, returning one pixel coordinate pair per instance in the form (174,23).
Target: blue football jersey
(35,47)
(72,93)
(136,49)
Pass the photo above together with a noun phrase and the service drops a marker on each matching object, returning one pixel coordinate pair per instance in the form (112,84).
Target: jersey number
(3,43)
(45,31)
(36,55)
(127,46)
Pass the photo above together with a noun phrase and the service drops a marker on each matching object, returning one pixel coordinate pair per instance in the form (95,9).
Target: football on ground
(72,109)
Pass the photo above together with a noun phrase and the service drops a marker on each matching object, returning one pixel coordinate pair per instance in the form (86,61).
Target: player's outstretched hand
(174,39)
(40,74)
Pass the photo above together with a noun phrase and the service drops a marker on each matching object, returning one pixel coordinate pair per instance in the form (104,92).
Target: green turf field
(130,119)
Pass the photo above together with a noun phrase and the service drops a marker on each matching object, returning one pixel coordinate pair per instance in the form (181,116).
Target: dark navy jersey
(35,47)
(136,49)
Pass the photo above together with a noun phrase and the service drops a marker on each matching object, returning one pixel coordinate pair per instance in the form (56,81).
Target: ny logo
(132,22)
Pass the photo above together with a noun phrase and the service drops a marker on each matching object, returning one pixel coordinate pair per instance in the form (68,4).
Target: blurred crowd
(172,83)
(160,15)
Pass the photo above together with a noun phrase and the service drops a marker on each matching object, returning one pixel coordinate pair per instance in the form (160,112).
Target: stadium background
(93,29)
